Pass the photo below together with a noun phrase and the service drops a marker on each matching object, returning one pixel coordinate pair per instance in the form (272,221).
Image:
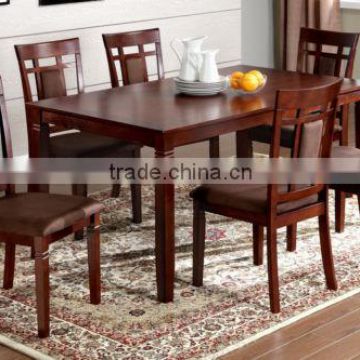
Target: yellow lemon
(237,75)
(258,75)
(249,82)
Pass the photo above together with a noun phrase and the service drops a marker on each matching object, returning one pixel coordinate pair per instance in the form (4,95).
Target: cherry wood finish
(329,53)
(342,191)
(312,57)
(133,69)
(297,102)
(325,53)
(40,245)
(133,65)
(179,120)
(48,63)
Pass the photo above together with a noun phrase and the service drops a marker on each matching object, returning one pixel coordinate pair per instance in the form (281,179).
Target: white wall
(23,21)
(257,32)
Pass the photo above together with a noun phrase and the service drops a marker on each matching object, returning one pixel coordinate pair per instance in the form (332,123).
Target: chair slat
(133,71)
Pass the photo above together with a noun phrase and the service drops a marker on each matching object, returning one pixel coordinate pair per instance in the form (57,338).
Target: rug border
(277,327)
(26,350)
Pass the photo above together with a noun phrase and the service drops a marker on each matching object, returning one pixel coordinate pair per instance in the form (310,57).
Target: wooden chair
(133,65)
(324,53)
(39,219)
(44,69)
(344,152)
(274,206)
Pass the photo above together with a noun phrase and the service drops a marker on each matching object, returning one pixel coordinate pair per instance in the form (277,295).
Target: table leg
(244,147)
(214,147)
(165,236)
(357,124)
(38,138)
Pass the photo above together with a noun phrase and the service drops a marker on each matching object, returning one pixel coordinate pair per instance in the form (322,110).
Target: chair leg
(136,203)
(344,138)
(9,268)
(199,229)
(258,244)
(79,190)
(42,286)
(115,192)
(326,252)
(340,198)
(94,260)
(291,232)
(136,194)
(214,147)
(274,292)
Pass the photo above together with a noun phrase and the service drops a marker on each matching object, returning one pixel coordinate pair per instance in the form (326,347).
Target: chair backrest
(5,137)
(312,112)
(42,68)
(327,52)
(133,65)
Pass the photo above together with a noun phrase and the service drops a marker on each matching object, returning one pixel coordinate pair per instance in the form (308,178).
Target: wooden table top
(156,106)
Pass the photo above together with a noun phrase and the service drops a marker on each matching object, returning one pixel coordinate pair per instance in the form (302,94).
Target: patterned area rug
(131,324)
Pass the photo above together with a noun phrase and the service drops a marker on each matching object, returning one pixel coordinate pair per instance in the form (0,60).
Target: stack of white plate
(197,88)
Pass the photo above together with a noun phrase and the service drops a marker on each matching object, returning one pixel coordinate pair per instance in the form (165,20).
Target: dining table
(153,114)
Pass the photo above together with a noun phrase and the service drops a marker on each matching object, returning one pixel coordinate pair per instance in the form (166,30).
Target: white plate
(182,86)
(221,80)
(197,88)
(200,92)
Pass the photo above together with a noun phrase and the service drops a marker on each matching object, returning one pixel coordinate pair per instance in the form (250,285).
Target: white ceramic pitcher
(190,59)
(209,70)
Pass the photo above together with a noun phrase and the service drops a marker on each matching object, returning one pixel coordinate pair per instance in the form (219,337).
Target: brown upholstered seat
(40,214)
(84,145)
(339,152)
(263,134)
(252,198)
(346,152)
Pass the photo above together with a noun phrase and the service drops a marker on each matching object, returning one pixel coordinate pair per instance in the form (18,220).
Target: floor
(7,354)
(331,334)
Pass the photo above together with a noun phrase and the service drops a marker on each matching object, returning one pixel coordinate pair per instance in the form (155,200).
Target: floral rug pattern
(131,324)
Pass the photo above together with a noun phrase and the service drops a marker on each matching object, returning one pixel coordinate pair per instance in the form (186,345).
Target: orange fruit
(235,84)
(249,83)
(237,75)
(258,75)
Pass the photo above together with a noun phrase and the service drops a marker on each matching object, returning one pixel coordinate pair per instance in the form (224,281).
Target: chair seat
(82,145)
(263,134)
(343,152)
(251,198)
(41,214)
(346,152)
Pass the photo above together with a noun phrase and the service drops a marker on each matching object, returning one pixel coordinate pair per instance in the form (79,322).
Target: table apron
(148,137)
(349,98)
(105,128)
